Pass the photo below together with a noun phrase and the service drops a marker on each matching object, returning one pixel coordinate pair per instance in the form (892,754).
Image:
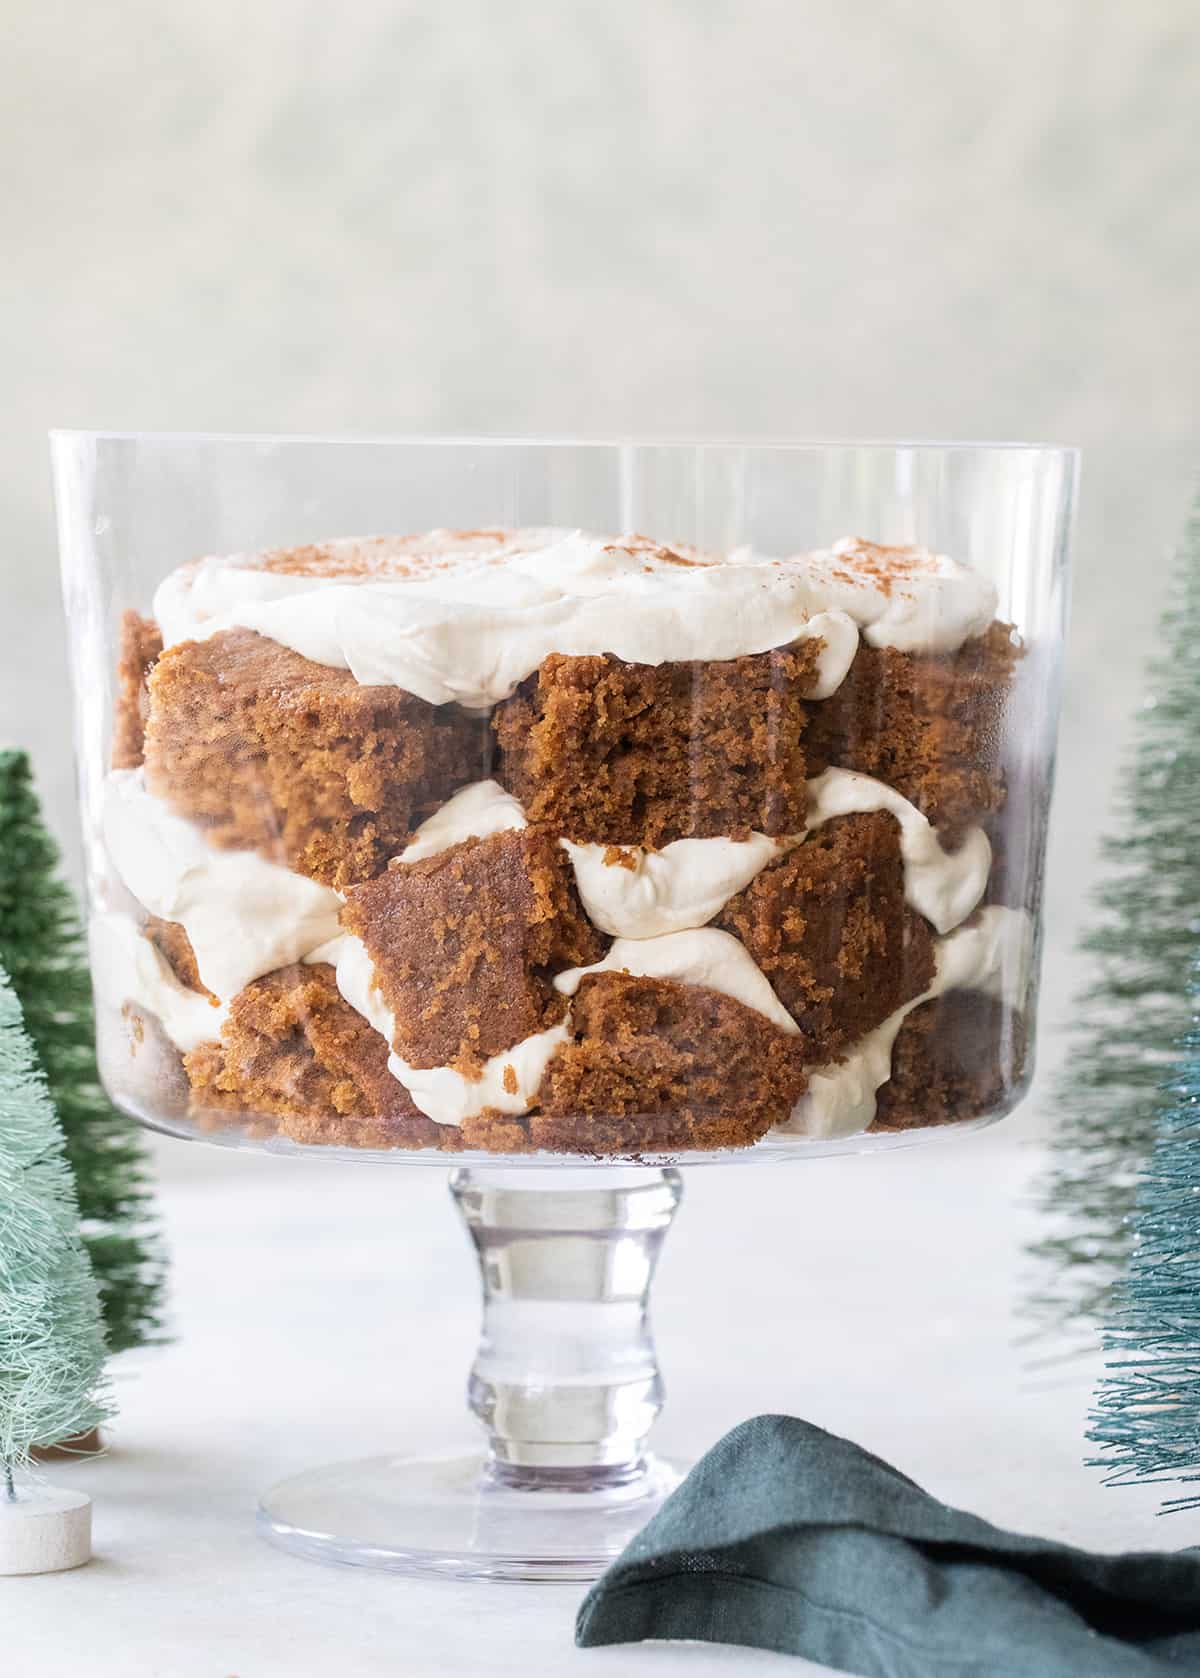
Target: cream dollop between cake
(129,970)
(992,954)
(633,892)
(243,915)
(508,1081)
(702,956)
(475,812)
(355,974)
(944,886)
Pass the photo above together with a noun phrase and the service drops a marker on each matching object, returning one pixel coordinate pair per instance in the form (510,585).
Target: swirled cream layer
(128,970)
(633,892)
(244,915)
(465,617)
(507,1083)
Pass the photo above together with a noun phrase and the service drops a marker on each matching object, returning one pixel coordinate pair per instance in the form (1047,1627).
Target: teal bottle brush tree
(1135,1009)
(41,947)
(52,1346)
(1147,1418)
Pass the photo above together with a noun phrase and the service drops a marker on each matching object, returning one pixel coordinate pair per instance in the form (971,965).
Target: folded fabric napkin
(788,1538)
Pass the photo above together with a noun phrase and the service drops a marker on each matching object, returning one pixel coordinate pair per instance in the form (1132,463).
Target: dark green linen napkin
(785,1537)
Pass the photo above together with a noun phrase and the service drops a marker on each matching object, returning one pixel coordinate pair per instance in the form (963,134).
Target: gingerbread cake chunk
(465,945)
(171,941)
(271,752)
(658,1065)
(829,927)
(930,726)
(639,754)
(139,647)
(960,1056)
(293,1050)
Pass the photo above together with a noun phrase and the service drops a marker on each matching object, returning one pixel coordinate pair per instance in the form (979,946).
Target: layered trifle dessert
(522,840)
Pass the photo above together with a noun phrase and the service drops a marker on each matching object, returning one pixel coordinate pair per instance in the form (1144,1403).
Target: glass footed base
(456,1517)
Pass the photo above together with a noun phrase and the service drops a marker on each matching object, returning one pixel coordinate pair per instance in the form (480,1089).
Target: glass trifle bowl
(563,813)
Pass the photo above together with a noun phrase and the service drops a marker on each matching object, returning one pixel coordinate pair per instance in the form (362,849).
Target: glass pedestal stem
(565,1383)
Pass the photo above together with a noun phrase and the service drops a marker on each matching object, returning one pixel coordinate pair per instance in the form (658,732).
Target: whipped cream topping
(473,636)
(993,955)
(702,956)
(127,968)
(637,893)
(905,597)
(197,600)
(465,618)
(944,886)
(508,1082)
(200,598)
(245,916)
(476,812)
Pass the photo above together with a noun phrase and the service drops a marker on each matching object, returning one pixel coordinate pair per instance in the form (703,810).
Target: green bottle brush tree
(1147,1418)
(41,946)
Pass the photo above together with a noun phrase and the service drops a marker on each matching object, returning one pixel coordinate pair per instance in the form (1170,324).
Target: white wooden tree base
(45,1530)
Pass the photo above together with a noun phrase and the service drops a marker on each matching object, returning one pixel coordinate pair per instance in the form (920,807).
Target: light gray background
(949,218)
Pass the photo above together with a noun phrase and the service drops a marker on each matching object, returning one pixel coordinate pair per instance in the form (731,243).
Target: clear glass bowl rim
(765,445)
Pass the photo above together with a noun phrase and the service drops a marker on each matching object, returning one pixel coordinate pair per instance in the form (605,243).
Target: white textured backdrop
(942,219)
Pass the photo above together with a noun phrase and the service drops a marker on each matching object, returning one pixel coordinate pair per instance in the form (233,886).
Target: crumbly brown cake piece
(958,1057)
(930,726)
(293,1050)
(175,947)
(271,752)
(656,1064)
(139,646)
(465,945)
(829,927)
(639,754)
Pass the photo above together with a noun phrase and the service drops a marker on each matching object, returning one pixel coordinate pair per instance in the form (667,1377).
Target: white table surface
(325,1311)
